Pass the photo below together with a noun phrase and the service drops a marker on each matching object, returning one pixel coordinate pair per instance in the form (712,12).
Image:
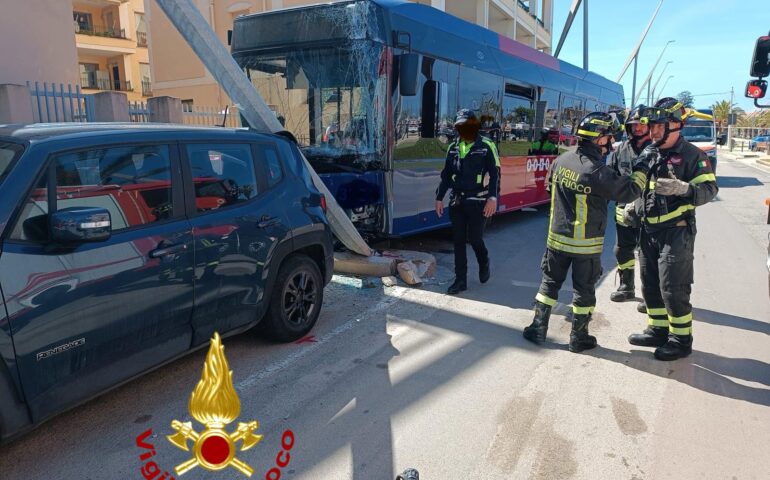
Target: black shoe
(625,291)
(484,272)
(677,346)
(579,339)
(650,337)
(537,330)
(457,287)
(641,307)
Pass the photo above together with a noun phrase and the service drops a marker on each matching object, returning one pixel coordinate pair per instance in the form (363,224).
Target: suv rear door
(87,316)
(239,229)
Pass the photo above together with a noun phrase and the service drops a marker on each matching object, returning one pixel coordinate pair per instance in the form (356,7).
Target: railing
(100,31)
(212,116)
(146,88)
(89,81)
(57,104)
(141,39)
(138,112)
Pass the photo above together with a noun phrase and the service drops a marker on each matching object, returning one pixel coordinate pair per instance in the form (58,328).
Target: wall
(37,42)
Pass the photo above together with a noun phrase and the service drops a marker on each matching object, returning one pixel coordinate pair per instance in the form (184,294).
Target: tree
(686,98)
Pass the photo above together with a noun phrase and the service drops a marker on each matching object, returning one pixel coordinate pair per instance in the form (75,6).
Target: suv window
(223,174)
(133,183)
(9,152)
(272,165)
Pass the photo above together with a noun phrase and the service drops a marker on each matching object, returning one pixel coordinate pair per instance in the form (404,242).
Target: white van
(699,129)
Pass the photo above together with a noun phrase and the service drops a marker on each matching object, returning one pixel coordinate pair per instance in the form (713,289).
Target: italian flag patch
(702,164)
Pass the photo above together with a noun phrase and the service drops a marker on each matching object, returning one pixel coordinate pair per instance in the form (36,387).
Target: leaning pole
(204,42)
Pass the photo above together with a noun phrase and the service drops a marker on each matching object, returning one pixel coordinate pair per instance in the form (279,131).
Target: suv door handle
(166,250)
(268,221)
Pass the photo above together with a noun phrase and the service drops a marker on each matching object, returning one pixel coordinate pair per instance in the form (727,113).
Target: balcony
(100,31)
(146,89)
(98,81)
(141,39)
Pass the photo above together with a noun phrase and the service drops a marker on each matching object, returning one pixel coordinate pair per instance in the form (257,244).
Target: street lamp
(655,87)
(664,84)
(649,76)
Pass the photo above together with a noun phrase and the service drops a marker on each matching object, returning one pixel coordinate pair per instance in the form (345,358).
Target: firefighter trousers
(625,243)
(468,223)
(666,260)
(586,270)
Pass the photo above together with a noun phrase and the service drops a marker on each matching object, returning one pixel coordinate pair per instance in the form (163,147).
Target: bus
(370,89)
(700,130)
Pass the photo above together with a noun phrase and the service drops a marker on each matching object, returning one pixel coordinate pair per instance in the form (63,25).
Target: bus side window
(428,115)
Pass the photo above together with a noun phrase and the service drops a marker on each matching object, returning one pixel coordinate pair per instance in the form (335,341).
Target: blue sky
(714,41)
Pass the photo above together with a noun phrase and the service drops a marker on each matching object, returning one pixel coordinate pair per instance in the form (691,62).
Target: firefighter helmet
(597,124)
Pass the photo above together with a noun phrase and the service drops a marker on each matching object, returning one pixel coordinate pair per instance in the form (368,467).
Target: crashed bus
(370,88)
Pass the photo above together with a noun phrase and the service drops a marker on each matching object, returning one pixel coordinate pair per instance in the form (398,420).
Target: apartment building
(112,47)
(176,71)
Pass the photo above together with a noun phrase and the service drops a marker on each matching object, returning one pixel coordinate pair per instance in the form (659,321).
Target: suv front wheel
(296,300)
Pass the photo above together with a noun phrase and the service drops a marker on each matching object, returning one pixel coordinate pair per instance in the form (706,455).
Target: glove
(646,159)
(629,214)
(671,187)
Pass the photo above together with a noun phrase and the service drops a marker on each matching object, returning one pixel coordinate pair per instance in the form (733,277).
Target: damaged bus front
(324,72)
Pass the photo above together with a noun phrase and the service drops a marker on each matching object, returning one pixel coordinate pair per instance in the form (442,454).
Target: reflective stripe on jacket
(466,166)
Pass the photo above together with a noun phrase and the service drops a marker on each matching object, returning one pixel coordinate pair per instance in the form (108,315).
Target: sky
(713,44)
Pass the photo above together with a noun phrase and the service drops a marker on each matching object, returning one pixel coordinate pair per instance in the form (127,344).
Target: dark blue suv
(123,247)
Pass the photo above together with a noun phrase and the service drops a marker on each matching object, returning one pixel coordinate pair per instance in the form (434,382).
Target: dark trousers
(468,224)
(625,243)
(586,270)
(666,259)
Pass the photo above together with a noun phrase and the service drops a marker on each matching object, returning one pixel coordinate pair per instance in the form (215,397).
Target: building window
(141,30)
(144,73)
(83,22)
(89,75)
(187,105)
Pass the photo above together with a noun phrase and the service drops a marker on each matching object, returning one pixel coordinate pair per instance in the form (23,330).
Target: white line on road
(392,295)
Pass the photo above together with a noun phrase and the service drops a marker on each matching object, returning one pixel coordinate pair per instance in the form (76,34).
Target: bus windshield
(332,99)
(698,131)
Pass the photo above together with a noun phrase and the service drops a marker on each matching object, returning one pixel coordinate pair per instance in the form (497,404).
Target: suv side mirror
(80,224)
(760,64)
(408,71)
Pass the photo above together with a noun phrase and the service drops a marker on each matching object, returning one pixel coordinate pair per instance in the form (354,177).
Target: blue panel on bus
(419,223)
(353,190)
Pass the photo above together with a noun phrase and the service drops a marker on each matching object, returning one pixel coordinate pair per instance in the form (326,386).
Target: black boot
(458,286)
(677,346)
(579,339)
(625,291)
(536,331)
(484,272)
(650,337)
(641,307)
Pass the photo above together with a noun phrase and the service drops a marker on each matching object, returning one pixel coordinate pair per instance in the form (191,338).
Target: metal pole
(649,76)
(655,87)
(567,26)
(664,85)
(585,34)
(635,51)
(633,85)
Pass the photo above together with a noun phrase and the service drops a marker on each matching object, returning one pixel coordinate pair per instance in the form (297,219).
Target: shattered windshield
(9,152)
(332,99)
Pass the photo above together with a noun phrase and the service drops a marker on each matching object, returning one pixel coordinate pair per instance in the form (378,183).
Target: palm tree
(722,109)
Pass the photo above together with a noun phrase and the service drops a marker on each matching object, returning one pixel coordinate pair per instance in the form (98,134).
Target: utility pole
(585,34)
(633,85)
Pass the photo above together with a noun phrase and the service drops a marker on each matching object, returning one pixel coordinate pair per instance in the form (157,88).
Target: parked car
(759,143)
(127,246)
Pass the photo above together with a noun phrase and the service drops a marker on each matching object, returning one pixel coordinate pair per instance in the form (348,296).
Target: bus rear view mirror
(760,64)
(756,89)
(408,70)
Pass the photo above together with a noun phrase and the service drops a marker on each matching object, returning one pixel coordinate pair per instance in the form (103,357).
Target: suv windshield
(330,99)
(698,131)
(9,152)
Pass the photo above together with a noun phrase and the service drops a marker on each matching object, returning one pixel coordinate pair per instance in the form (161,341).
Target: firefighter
(581,187)
(626,222)
(544,146)
(680,179)
(468,161)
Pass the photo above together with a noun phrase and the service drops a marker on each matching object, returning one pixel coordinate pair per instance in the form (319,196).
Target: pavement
(397,377)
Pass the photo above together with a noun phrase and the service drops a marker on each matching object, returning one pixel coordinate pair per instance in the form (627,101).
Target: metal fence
(52,103)
(749,139)
(138,112)
(212,116)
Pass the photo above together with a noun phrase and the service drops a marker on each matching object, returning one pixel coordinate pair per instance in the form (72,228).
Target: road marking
(392,296)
